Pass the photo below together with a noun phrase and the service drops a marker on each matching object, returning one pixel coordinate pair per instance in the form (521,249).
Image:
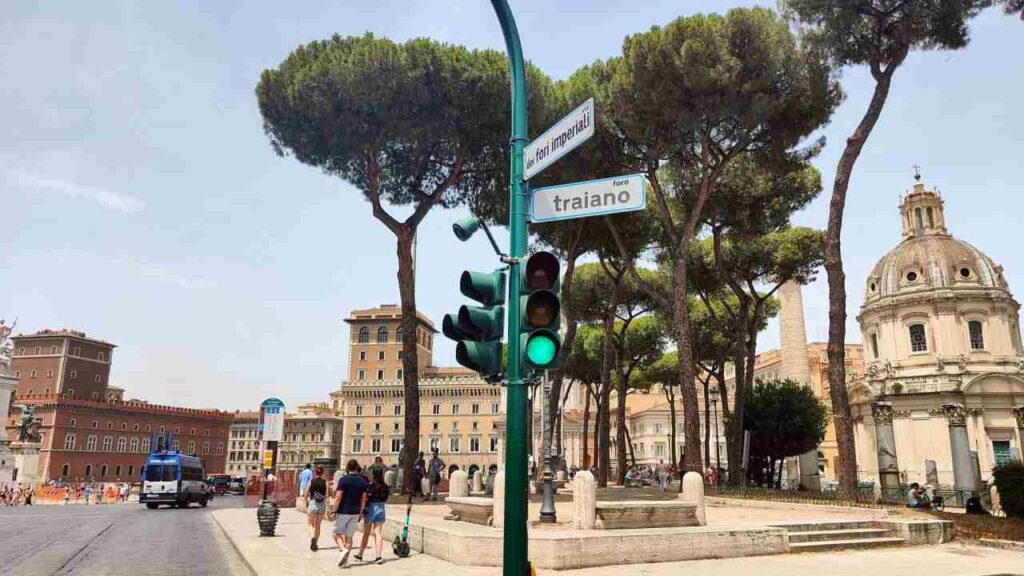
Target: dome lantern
(922,212)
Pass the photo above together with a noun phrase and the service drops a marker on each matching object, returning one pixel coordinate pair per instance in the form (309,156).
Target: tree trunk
(586,464)
(604,405)
(671,397)
(707,420)
(621,431)
(841,417)
(632,458)
(410,358)
(687,379)
(567,342)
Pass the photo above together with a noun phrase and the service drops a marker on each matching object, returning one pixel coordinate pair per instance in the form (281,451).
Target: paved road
(116,539)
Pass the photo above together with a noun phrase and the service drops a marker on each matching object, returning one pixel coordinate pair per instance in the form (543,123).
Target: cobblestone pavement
(116,539)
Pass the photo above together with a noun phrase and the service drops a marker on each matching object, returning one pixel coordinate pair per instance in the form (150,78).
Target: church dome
(929,258)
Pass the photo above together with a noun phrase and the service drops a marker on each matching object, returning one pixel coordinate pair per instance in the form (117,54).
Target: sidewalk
(288,553)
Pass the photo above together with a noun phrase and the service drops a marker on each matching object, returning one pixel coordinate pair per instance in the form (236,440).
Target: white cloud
(102,196)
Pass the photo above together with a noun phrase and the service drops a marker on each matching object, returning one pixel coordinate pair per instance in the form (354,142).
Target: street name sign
(590,198)
(557,141)
(271,426)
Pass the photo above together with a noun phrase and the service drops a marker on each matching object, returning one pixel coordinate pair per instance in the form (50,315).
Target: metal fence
(867,495)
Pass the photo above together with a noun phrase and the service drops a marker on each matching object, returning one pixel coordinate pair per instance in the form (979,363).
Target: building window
(96,378)
(122,444)
(476,426)
(1001,451)
(134,446)
(398,409)
(453,444)
(95,424)
(359,409)
(874,345)
(131,470)
(357,445)
(117,471)
(493,444)
(359,427)
(475,408)
(361,375)
(495,407)
(396,445)
(362,354)
(39,350)
(103,471)
(380,374)
(69,441)
(206,447)
(375,445)
(77,351)
(71,392)
(146,443)
(71,423)
(399,374)
(382,335)
(474,445)
(32,374)
(455,409)
(101,356)
(74,374)
(65,471)
(53,349)
(376,427)
(191,447)
(931,217)
(108,443)
(90,443)
(918,341)
(191,433)
(395,427)
(124,426)
(917,218)
(399,334)
(378,410)
(110,425)
(435,427)
(364,335)
(455,426)
(135,428)
(435,409)
(49,373)
(977,339)
(380,355)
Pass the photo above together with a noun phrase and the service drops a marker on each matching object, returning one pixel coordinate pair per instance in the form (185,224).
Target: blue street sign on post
(590,198)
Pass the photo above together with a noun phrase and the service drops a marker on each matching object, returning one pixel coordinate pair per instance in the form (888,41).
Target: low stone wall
(640,515)
(472,509)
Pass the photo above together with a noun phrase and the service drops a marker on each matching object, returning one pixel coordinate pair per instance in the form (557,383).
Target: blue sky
(140,201)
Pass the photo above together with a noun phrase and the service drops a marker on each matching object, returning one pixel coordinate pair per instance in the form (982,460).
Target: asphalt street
(117,539)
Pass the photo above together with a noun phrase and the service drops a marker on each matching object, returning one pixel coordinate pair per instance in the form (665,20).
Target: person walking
(434,477)
(316,506)
(419,472)
(374,516)
(304,479)
(350,497)
(663,475)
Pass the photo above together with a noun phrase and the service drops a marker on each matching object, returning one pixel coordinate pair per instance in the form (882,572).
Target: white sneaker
(344,558)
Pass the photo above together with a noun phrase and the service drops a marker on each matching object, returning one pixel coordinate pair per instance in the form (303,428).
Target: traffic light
(478,329)
(541,312)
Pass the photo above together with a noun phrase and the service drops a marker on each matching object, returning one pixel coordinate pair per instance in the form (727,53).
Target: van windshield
(161,472)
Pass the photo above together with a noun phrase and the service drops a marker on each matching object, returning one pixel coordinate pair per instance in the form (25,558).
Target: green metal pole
(514,559)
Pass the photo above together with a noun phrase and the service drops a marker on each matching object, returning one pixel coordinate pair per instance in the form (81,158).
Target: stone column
(793,349)
(885,441)
(964,480)
(584,501)
(498,520)
(1018,414)
(458,484)
(693,492)
(478,482)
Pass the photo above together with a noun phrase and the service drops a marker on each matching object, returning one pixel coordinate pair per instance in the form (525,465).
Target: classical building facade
(243,457)
(88,431)
(942,399)
(458,410)
(312,435)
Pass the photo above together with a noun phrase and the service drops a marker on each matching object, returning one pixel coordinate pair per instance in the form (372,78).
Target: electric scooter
(401,544)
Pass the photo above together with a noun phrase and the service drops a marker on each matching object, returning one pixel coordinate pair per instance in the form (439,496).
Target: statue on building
(28,427)
(6,346)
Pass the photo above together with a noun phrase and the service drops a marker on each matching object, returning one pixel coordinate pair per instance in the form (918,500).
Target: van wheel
(152,505)
(204,501)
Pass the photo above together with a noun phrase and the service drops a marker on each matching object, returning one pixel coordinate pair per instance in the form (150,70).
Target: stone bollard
(693,492)
(478,481)
(425,486)
(458,484)
(489,484)
(584,501)
(498,519)
(389,479)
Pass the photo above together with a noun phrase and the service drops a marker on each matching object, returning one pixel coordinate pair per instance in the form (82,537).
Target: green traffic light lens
(541,350)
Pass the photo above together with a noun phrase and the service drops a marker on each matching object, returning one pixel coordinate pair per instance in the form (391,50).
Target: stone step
(826,525)
(828,545)
(851,534)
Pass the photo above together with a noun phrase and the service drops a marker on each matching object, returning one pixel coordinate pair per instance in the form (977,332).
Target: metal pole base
(547,507)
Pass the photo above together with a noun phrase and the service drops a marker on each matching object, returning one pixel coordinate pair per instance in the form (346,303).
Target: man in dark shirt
(350,498)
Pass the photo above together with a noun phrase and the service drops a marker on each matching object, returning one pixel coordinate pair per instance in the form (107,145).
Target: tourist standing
(663,475)
(316,506)
(435,473)
(374,515)
(419,472)
(350,497)
(304,479)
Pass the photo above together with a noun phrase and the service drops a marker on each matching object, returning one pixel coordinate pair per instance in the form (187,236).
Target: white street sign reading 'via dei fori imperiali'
(590,198)
(557,141)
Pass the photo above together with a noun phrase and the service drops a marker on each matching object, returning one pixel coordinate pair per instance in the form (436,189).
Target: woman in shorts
(316,506)
(373,517)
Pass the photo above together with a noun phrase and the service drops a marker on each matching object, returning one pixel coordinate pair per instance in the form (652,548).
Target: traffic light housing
(477,330)
(540,308)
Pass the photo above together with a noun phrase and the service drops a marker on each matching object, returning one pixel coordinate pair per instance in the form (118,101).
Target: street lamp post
(515,544)
(714,416)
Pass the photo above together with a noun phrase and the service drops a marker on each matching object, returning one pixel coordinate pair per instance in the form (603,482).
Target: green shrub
(1010,484)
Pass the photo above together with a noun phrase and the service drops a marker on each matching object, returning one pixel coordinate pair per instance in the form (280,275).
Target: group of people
(16,495)
(359,497)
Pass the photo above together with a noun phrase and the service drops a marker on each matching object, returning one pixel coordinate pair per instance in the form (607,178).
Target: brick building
(88,431)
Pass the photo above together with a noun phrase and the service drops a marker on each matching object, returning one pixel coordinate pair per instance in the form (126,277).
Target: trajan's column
(793,341)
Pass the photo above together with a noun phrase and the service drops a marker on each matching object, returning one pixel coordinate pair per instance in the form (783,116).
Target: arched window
(88,470)
(103,471)
(977,338)
(382,335)
(146,443)
(65,470)
(917,218)
(918,340)
(134,447)
(874,345)
(122,444)
(191,447)
(399,334)
(117,471)
(364,335)
(69,441)
(108,443)
(931,217)
(131,470)
(90,443)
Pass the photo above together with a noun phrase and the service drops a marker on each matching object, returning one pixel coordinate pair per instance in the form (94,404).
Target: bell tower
(922,211)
